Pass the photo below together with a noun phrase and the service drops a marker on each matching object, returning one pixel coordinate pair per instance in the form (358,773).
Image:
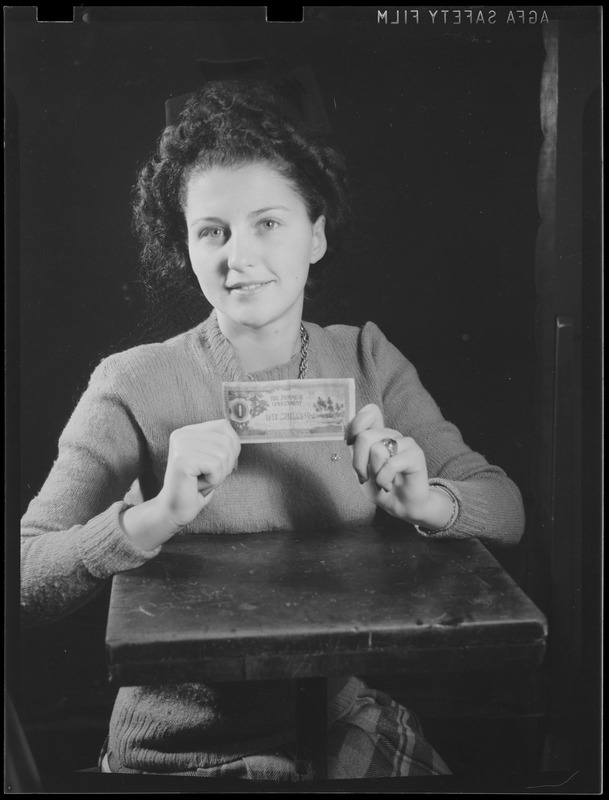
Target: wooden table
(311,604)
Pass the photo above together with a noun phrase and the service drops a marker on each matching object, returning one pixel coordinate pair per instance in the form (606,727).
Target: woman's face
(251,243)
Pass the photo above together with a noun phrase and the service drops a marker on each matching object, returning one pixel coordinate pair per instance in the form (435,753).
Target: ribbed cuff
(105,548)
(476,515)
(456,522)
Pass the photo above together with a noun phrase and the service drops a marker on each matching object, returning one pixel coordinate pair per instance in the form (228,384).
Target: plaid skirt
(375,738)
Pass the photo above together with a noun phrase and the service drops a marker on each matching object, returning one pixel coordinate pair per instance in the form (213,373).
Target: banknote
(290,411)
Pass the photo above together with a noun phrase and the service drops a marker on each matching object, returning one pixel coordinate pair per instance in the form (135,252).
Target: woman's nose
(242,252)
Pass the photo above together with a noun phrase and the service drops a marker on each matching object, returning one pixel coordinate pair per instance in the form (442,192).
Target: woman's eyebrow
(205,219)
(266,210)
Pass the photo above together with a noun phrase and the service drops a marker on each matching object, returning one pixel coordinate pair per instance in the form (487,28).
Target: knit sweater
(113,453)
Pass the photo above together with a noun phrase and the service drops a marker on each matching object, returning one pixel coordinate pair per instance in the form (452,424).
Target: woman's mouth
(247,289)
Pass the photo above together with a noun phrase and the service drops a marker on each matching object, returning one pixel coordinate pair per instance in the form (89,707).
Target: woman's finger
(205,490)
(219,429)
(362,448)
(207,469)
(369,416)
(409,460)
(187,441)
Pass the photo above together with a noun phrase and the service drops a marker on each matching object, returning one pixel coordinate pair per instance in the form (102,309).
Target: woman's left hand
(397,483)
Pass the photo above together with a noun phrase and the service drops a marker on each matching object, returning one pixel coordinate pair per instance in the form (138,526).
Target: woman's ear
(319,244)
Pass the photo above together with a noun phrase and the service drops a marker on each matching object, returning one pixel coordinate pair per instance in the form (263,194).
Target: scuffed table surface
(300,604)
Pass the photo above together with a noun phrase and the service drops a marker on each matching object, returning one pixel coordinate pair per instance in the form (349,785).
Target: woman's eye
(268,224)
(214,232)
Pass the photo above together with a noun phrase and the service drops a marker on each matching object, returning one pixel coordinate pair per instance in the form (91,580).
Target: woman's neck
(260,349)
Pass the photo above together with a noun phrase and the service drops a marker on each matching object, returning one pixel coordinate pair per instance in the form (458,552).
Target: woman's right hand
(200,459)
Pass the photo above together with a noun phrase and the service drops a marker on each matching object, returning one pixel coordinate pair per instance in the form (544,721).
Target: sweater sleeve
(490,504)
(71,538)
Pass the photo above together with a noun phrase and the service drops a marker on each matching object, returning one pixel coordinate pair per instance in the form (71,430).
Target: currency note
(290,411)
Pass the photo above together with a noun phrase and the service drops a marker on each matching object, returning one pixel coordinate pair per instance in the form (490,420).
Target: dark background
(441,129)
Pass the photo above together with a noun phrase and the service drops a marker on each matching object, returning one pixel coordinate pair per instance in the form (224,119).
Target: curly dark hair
(229,123)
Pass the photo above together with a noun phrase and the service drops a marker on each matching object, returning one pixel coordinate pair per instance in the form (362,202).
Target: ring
(391,445)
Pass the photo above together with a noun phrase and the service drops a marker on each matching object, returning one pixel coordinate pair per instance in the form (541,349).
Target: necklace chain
(304,355)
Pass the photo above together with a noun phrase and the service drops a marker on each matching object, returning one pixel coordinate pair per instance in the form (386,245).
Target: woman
(241,196)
